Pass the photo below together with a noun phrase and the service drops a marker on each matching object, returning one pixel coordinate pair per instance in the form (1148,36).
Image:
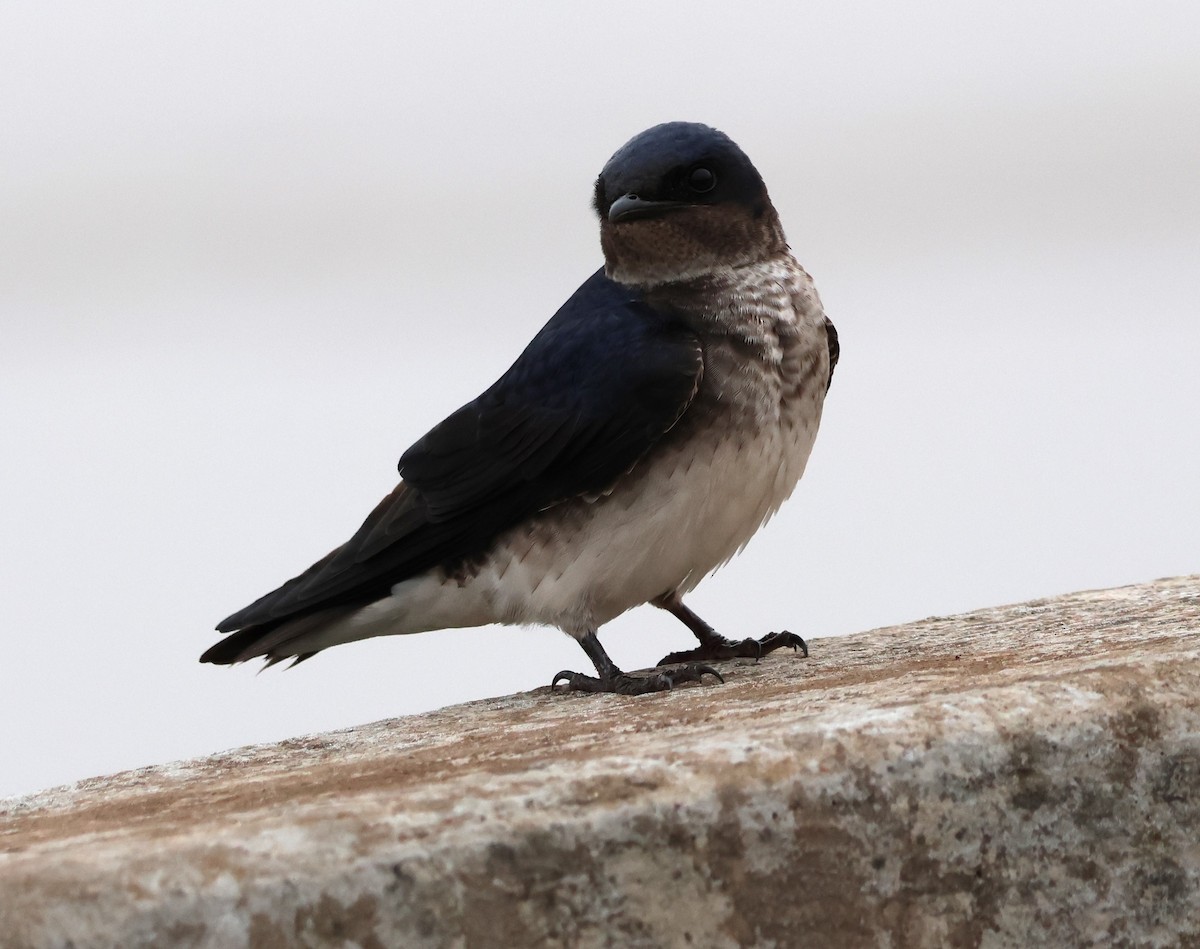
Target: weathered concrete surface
(1021,776)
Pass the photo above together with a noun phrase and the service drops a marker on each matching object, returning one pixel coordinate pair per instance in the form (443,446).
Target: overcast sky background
(249,252)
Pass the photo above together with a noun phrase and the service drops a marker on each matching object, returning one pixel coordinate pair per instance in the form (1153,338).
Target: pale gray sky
(250,251)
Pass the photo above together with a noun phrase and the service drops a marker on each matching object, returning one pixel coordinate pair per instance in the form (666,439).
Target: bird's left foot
(621,683)
(718,648)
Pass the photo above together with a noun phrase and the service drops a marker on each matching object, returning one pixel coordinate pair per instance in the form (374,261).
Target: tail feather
(277,640)
(235,647)
(296,660)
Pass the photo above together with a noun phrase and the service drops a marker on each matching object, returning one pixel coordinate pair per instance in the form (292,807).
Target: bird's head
(681,201)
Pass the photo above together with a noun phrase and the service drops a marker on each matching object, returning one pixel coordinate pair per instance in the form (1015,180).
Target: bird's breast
(698,497)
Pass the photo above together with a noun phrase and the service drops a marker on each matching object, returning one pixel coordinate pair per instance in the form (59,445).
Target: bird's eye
(702,180)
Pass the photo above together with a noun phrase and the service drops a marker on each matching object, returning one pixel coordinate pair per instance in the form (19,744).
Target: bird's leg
(612,679)
(715,647)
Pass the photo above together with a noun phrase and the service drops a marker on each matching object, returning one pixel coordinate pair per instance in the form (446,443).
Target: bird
(640,440)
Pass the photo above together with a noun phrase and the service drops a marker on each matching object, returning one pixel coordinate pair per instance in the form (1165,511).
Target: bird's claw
(625,684)
(721,649)
(693,672)
(784,640)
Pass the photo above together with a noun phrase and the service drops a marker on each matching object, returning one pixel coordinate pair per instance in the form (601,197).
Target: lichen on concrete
(1020,776)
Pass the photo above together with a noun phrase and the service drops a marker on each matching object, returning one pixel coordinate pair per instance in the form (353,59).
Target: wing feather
(590,396)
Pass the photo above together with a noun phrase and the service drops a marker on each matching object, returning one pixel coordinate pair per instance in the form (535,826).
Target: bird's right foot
(621,683)
(716,648)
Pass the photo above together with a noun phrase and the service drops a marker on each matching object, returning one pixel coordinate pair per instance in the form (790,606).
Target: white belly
(664,532)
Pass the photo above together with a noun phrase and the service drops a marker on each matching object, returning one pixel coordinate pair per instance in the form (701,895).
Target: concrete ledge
(1020,776)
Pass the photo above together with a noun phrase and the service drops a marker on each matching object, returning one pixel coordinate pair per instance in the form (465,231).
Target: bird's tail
(275,641)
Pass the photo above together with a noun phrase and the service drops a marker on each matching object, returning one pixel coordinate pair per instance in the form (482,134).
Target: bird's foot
(720,648)
(622,683)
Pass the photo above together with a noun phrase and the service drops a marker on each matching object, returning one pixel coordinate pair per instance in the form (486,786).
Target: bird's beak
(630,206)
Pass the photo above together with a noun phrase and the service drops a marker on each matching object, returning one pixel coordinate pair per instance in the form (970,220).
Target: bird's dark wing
(835,349)
(590,395)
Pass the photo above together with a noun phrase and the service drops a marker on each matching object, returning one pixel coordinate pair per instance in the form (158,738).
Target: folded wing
(590,396)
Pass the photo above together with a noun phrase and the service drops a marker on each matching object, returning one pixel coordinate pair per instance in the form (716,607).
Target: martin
(647,432)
